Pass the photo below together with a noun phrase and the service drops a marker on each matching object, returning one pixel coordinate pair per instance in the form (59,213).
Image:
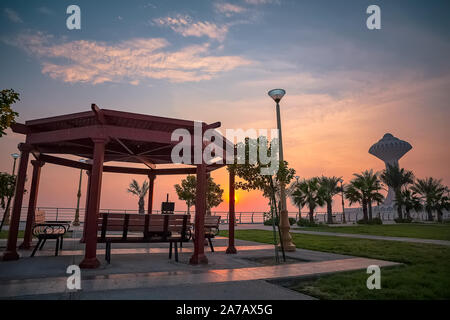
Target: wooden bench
(211,229)
(44,230)
(143,228)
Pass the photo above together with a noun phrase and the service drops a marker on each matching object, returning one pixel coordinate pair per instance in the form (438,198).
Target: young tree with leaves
(186,191)
(262,175)
(7,186)
(7,115)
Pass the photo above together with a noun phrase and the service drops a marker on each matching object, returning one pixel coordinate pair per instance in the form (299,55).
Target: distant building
(390,149)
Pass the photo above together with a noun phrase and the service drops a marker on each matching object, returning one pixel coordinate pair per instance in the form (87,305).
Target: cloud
(256,2)
(185,26)
(128,61)
(45,10)
(12,15)
(228,9)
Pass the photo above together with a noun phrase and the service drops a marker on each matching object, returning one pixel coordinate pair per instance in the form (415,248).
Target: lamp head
(277,94)
(15,155)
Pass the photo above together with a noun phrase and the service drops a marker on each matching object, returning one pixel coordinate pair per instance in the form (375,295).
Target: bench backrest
(39,216)
(212,221)
(149,225)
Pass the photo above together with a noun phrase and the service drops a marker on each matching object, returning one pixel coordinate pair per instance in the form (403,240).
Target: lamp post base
(285,235)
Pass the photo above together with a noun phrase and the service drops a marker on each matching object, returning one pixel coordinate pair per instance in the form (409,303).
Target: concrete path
(349,235)
(145,272)
(238,277)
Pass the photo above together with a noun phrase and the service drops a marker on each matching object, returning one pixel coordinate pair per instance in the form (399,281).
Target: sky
(215,61)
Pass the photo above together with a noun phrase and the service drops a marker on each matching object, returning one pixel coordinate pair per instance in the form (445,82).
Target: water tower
(390,149)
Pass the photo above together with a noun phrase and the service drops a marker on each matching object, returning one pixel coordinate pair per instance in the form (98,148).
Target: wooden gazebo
(103,136)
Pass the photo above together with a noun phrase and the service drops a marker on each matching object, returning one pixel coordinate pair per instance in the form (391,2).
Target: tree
(432,194)
(309,193)
(370,187)
(410,201)
(443,204)
(214,195)
(330,188)
(355,193)
(251,174)
(187,192)
(7,115)
(290,190)
(397,178)
(140,192)
(7,186)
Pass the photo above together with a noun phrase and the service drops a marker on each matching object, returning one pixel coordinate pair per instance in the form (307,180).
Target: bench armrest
(49,228)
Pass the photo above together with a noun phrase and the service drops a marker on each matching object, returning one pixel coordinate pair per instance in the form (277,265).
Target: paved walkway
(348,235)
(144,272)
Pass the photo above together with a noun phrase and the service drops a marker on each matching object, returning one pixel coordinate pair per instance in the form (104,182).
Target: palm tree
(354,193)
(443,204)
(410,201)
(309,193)
(139,191)
(432,193)
(290,190)
(397,178)
(371,186)
(330,188)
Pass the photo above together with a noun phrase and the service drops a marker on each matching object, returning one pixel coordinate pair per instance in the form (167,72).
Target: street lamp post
(76,221)
(299,208)
(15,157)
(342,195)
(277,95)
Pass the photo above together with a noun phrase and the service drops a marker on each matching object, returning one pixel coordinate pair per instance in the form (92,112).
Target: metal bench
(45,230)
(138,228)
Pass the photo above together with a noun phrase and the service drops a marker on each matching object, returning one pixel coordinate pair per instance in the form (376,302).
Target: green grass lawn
(4,234)
(422,231)
(424,275)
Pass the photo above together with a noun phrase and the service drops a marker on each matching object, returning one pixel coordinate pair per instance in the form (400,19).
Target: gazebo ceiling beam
(115,169)
(100,132)
(141,159)
(64,162)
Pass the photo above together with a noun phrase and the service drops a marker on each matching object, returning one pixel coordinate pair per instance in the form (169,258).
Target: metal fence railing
(242,217)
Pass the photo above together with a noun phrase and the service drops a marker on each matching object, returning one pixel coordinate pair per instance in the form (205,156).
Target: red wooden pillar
(151,184)
(198,257)
(11,247)
(88,192)
(231,216)
(90,255)
(37,165)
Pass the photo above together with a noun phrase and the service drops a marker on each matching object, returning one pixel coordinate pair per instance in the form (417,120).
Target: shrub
(370,222)
(268,222)
(302,222)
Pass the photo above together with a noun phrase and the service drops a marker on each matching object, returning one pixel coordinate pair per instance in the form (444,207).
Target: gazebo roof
(132,137)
